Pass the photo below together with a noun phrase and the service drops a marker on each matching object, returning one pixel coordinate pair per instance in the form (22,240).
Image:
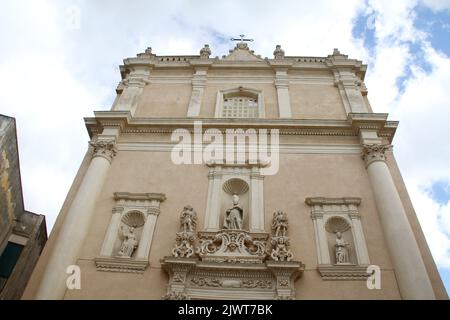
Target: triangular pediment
(242,53)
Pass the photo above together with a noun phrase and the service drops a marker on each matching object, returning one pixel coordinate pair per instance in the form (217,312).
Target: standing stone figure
(279,224)
(234,215)
(188,219)
(129,243)
(341,247)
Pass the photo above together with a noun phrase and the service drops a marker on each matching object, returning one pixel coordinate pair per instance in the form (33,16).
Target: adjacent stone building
(238,177)
(22,234)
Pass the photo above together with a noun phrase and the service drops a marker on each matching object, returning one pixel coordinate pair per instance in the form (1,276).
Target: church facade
(238,177)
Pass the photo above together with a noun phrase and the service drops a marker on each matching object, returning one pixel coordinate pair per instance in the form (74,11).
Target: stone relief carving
(234,216)
(212,272)
(279,240)
(186,236)
(231,242)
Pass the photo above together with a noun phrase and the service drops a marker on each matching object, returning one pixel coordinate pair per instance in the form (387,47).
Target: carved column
(77,222)
(131,90)
(147,233)
(410,270)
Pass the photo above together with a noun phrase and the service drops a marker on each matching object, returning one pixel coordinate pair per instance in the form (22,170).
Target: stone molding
(350,272)
(116,265)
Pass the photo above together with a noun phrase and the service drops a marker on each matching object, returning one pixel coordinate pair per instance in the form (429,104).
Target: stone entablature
(376,122)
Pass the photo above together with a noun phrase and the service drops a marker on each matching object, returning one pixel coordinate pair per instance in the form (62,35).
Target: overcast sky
(59,62)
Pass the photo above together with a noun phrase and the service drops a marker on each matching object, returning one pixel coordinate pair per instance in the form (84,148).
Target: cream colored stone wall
(314,101)
(300,176)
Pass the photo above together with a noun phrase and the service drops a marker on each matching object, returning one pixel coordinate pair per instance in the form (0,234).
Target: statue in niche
(341,248)
(129,244)
(188,219)
(279,224)
(234,215)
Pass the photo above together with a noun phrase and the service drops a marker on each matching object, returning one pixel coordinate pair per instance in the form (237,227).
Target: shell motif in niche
(133,219)
(235,186)
(337,224)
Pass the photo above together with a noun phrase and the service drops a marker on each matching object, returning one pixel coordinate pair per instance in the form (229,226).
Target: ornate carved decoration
(280,242)
(231,264)
(232,244)
(176,296)
(120,265)
(104,148)
(374,152)
(186,236)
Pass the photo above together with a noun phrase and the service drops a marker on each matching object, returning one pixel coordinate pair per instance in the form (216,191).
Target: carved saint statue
(341,248)
(279,224)
(234,215)
(188,219)
(129,243)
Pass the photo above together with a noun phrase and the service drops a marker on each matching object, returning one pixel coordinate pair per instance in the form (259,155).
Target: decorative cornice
(317,127)
(120,265)
(330,272)
(104,148)
(311,201)
(374,152)
(139,196)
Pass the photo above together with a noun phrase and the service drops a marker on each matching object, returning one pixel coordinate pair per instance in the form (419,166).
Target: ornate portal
(232,263)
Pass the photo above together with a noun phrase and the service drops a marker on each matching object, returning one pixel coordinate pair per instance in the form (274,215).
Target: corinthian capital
(374,152)
(104,148)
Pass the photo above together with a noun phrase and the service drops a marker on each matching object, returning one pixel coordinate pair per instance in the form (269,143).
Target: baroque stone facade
(161,208)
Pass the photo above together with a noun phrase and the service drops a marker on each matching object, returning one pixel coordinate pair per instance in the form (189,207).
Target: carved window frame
(323,209)
(240,92)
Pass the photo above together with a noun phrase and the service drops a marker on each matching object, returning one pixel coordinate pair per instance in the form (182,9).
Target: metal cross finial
(242,39)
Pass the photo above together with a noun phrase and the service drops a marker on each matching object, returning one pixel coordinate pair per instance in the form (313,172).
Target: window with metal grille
(240,107)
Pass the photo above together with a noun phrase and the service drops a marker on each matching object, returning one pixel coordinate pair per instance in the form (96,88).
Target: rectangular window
(240,107)
(8,260)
